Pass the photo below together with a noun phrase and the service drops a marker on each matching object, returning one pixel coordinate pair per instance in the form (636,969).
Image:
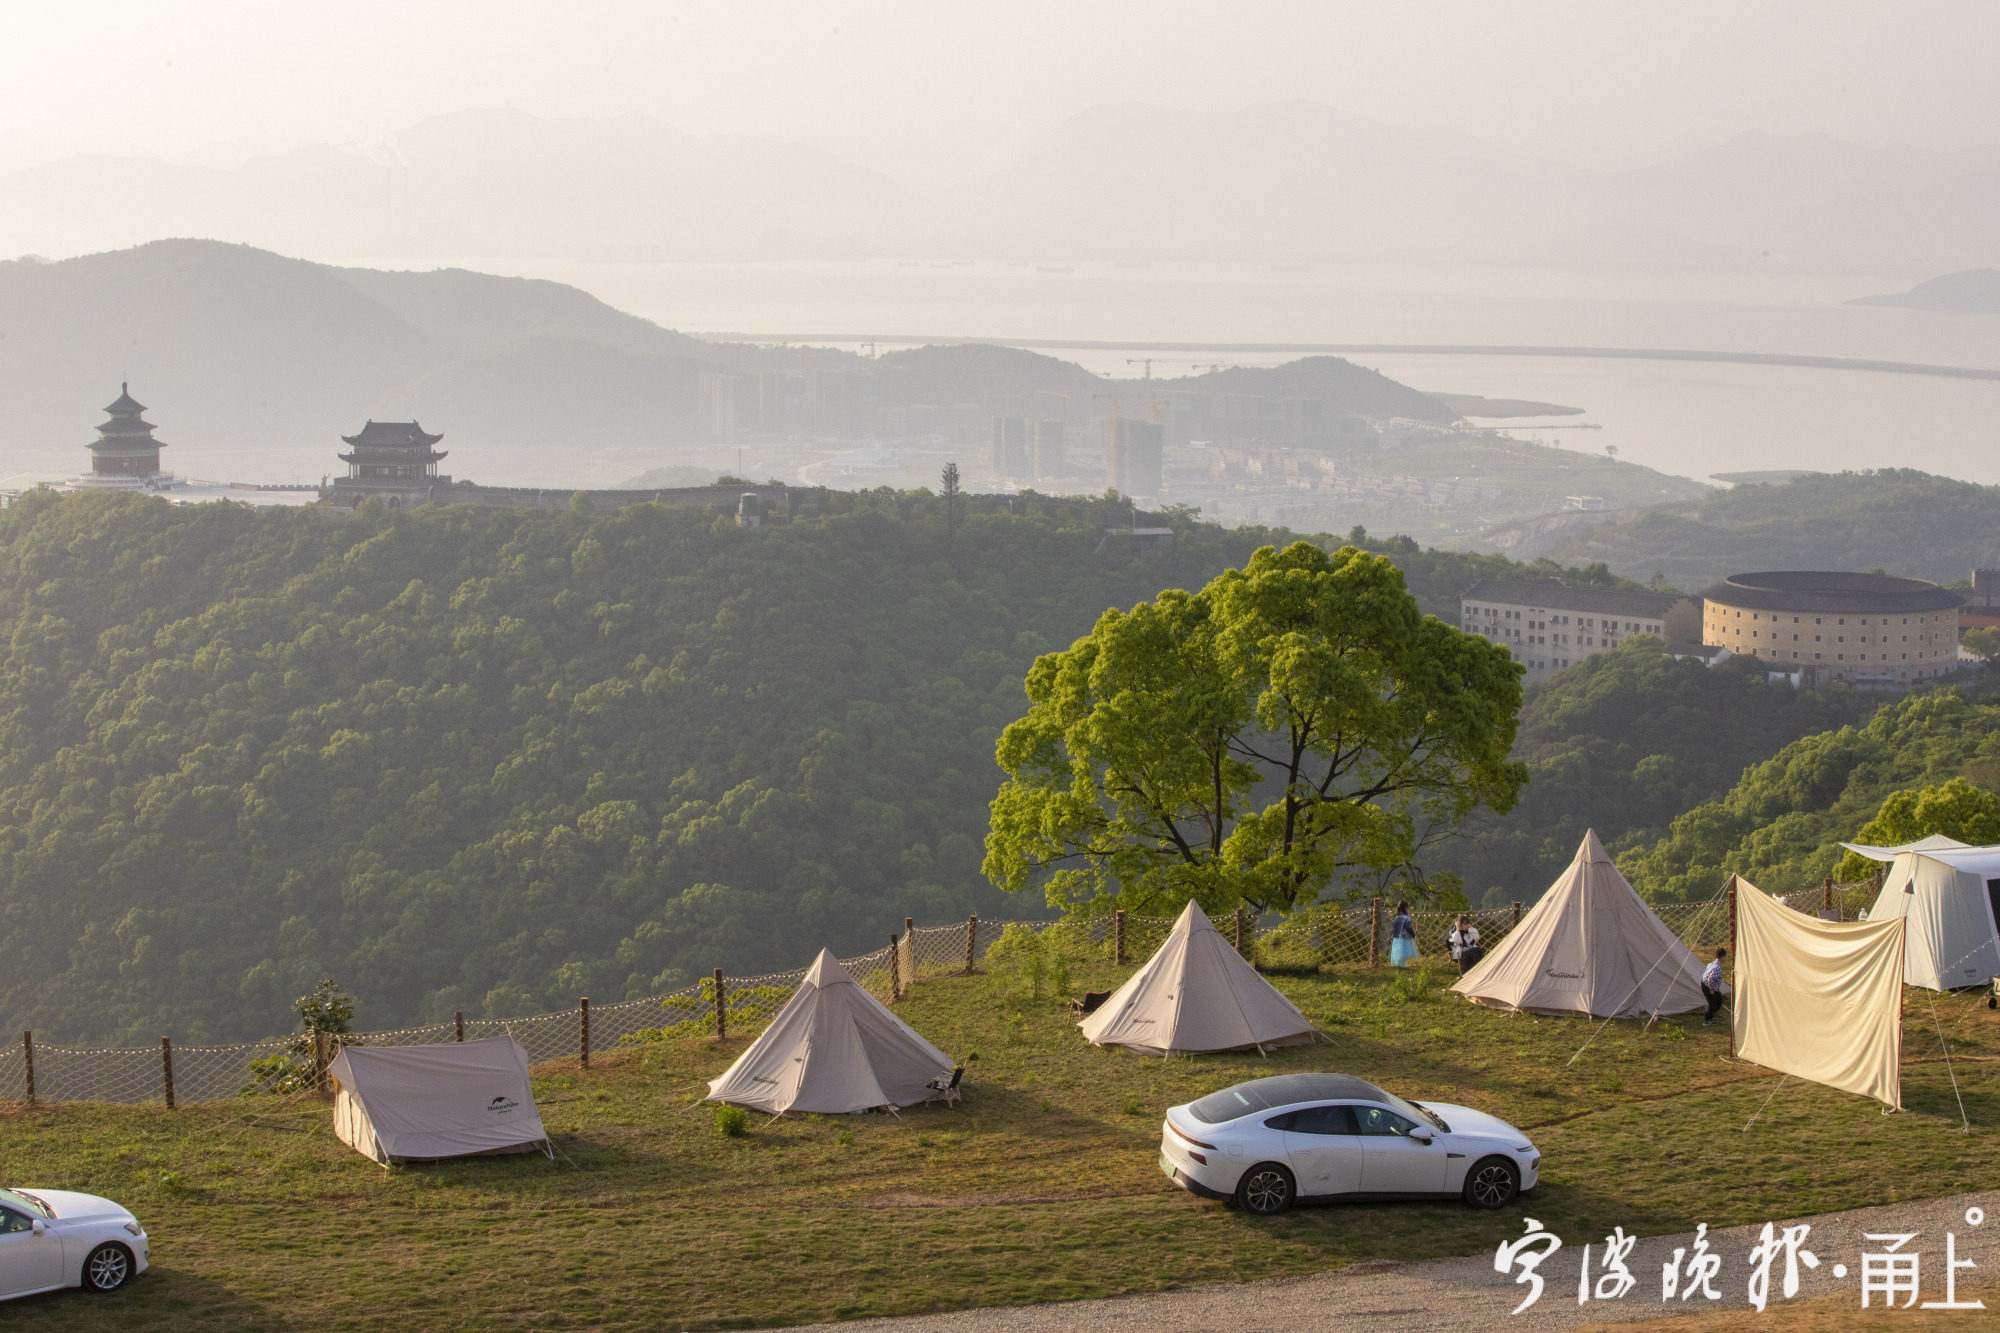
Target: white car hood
(1468,1123)
(73,1207)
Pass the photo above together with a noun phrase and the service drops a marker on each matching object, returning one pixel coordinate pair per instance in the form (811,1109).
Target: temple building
(125,455)
(394,460)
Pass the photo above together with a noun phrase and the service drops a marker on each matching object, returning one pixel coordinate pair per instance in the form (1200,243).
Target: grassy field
(1041,1186)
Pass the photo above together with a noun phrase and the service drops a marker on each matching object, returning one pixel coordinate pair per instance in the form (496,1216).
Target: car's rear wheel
(108,1267)
(1493,1182)
(1265,1189)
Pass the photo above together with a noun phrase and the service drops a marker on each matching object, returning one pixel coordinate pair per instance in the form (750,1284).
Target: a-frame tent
(1950,896)
(1590,946)
(454,1099)
(833,1048)
(1196,993)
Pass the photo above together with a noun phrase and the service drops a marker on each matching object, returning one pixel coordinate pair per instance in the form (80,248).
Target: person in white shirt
(1713,987)
(1462,936)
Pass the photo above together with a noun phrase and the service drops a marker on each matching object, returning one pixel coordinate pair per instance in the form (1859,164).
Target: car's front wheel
(1265,1189)
(1493,1182)
(107,1268)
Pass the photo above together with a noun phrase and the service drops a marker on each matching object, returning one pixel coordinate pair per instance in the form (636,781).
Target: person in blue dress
(1402,936)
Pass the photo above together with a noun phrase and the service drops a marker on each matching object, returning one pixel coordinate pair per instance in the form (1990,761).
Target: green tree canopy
(1248,742)
(1956,809)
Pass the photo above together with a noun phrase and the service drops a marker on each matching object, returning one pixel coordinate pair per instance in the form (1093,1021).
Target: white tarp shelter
(455,1099)
(1936,842)
(1950,896)
(1590,946)
(832,1048)
(1820,1000)
(1196,993)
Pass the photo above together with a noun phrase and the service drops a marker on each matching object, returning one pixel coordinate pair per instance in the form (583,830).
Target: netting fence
(1334,935)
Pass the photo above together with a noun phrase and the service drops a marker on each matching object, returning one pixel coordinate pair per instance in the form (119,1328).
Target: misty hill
(1976,290)
(1900,520)
(1329,379)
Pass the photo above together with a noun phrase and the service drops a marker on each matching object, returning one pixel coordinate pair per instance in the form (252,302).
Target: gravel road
(1448,1295)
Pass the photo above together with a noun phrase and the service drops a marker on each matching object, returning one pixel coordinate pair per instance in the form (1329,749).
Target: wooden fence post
(28,1062)
(1118,937)
(1826,894)
(583,1029)
(721,1027)
(167,1068)
(458,1024)
(1239,930)
(1517,916)
(1375,933)
(895,972)
(322,1056)
(910,948)
(1736,996)
(971,942)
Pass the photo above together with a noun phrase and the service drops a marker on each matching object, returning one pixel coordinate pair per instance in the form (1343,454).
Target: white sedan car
(1273,1142)
(54,1238)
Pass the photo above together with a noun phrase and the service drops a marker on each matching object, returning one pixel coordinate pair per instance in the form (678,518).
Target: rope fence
(1329,935)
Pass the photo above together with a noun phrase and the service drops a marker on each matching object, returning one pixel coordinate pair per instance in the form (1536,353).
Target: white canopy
(832,1048)
(1822,1000)
(1590,946)
(1950,898)
(1936,842)
(1196,993)
(455,1099)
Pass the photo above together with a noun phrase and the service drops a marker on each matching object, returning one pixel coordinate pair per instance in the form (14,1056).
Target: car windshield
(27,1202)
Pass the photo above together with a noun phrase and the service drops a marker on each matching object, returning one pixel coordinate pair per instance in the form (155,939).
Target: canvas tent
(1590,946)
(456,1099)
(1196,993)
(1950,896)
(1820,1000)
(832,1048)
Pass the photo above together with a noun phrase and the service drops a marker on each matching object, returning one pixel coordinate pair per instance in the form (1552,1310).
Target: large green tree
(1250,743)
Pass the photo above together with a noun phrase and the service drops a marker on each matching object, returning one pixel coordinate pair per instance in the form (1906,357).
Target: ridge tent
(1590,946)
(1196,993)
(1950,897)
(454,1099)
(832,1048)
(1819,1000)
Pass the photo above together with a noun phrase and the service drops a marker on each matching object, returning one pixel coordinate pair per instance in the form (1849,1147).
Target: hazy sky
(927,85)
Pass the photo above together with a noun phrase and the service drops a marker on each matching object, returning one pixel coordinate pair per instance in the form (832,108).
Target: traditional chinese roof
(126,405)
(126,432)
(1830,591)
(392,435)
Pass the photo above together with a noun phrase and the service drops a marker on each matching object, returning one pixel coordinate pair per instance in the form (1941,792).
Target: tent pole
(1735,968)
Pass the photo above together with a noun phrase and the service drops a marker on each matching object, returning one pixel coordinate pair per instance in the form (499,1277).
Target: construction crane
(1146,361)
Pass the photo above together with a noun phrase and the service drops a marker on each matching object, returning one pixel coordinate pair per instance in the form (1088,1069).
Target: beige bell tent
(1590,946)
(1820,1000)
(1950,895)
(455,1099)
(832,1048)
(1196,994)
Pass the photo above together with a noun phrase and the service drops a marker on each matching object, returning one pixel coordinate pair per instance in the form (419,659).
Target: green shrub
(844,1139)
(732,1121)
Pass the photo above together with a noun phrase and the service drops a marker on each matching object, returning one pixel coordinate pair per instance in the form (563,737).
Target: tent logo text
(502,1104)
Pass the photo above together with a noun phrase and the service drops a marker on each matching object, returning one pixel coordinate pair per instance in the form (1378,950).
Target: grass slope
(1042,1186)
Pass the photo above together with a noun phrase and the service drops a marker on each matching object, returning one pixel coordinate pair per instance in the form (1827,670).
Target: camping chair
(943,1088)
(1089,1004)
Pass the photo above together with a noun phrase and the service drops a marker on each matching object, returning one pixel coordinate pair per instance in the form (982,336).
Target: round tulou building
(1867,629)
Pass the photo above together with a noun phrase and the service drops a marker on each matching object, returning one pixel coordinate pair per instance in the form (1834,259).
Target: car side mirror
(1421,1135)
(40,1226)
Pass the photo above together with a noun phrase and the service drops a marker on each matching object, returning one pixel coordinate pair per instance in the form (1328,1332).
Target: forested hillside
(1896,519)
(491,761)
(1624,742)
(1779,824)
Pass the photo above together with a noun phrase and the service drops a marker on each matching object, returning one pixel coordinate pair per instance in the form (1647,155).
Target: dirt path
(1454,1295)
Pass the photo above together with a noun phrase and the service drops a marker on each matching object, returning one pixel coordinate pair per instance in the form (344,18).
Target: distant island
(1477,405)
(1973,291)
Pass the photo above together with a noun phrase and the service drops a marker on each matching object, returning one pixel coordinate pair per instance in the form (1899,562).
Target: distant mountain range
(1281,181)
(238,350)
(1975,291)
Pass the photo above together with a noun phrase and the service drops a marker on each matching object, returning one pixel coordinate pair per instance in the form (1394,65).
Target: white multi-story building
(1549,625)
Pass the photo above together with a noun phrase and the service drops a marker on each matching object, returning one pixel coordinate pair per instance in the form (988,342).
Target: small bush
(731,1121)
(1132,1106)
(844,1139)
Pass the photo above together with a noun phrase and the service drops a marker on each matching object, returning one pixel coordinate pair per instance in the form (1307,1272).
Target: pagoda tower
(395,460)
(125,452)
